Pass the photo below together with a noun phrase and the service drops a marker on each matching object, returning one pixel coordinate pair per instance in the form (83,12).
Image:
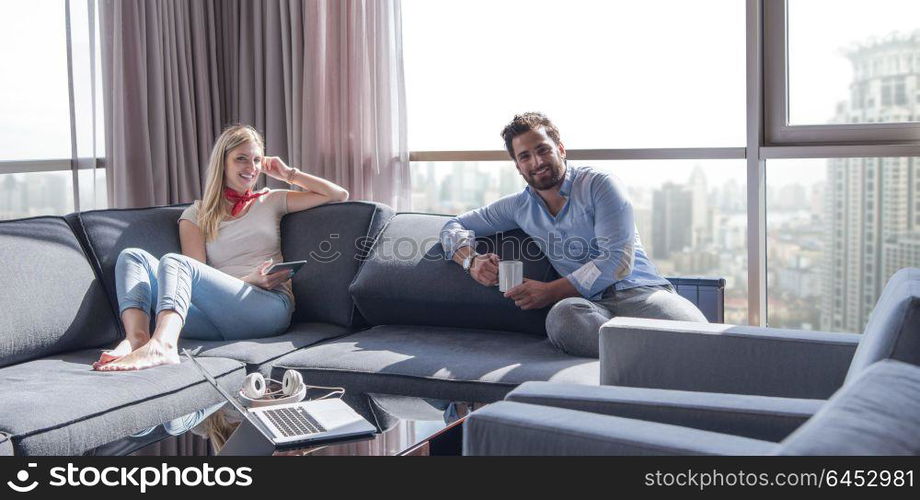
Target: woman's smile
(244,164)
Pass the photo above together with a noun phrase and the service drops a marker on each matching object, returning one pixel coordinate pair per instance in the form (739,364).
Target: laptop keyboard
(294,421)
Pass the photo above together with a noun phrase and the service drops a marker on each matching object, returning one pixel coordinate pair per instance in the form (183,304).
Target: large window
(843,180)
(835,236)
(865,59)
(786,127)
(34,122)
(50,142)
(610,74)
(852,85)
(614,76)
(690,215)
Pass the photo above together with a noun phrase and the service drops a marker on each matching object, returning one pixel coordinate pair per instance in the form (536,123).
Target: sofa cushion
(334,240)
(757,417)
(59,406)
(893,330)
(878,413)
(436,362)
(509,428)
(108,232)
(50,297)
(406,280)
(258,353)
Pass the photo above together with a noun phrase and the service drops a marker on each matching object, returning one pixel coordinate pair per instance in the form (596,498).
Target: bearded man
(583,222)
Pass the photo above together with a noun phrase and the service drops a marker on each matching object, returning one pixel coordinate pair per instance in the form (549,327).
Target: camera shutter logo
(23,476)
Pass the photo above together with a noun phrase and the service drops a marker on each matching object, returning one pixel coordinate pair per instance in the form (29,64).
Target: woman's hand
(267,281)
(275,168)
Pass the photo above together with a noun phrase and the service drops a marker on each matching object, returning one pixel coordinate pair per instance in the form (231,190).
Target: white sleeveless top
(244,243)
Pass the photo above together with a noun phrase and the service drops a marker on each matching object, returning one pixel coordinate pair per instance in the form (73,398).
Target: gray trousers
(573,323)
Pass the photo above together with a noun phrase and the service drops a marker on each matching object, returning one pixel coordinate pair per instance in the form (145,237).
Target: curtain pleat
(322,79)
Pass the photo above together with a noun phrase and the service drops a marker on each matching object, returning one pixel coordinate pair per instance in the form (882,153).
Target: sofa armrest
(510,428)
(756,417)
(6,445)
(719,358)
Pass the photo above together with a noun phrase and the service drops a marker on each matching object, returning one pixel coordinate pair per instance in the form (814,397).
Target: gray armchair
(763,361)
(877,413)
(758,383)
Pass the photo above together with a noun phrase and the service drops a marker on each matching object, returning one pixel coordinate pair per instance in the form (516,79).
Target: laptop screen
(232,400)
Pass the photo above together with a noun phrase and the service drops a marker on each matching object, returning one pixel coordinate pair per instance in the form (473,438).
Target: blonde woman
(217,288)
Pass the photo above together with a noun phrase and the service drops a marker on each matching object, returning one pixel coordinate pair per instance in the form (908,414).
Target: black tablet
(292,266)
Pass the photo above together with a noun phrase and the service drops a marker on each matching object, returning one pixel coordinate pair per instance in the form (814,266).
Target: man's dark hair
(525,122)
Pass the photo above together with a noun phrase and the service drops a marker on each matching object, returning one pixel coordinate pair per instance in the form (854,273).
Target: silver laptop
(295,424)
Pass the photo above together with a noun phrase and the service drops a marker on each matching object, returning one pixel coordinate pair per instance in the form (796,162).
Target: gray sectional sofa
(378,310)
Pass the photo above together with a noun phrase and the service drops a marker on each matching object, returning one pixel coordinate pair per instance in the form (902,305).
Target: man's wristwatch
(468,262)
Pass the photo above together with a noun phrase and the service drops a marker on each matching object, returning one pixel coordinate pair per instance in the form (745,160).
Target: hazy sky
(34,117)
(622,74)
(820,32)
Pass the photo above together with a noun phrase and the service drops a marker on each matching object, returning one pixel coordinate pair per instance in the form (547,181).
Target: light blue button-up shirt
(592,241)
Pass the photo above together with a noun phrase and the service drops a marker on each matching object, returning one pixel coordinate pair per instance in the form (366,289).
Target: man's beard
(556,177)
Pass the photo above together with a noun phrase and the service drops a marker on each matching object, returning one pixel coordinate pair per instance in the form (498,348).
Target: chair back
(893,330)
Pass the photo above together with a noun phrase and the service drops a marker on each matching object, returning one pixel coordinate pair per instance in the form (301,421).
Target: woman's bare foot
(123,347)
(131,343)
(151,354)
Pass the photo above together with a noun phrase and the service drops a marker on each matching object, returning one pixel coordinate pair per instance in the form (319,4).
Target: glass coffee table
(408,426)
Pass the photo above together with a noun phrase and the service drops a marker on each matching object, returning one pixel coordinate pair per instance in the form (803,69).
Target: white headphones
(255,391)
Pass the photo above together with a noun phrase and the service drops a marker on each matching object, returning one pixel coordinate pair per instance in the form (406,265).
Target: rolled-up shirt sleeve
(488,220)
(615,237)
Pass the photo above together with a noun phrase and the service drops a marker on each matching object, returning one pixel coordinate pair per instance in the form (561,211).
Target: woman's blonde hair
(219,429)
(212,209)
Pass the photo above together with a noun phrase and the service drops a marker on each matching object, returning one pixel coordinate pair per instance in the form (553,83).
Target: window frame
(778,131)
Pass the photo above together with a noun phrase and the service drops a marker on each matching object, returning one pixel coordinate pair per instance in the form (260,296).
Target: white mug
(510,274)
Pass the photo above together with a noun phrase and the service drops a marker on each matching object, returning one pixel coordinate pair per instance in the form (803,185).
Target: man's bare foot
(151,354)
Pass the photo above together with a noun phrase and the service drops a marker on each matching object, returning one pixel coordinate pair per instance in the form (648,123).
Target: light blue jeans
(212,304)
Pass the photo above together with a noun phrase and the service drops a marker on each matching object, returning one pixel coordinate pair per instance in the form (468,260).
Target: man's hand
(532,294)
(484,269)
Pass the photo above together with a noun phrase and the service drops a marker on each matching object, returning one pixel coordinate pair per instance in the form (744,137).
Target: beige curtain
(354,98)
(322,79)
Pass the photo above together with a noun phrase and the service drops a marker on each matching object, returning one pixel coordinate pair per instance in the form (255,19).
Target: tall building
(10,197)
(702,211)
(672,219)
(901,251)
(873,204)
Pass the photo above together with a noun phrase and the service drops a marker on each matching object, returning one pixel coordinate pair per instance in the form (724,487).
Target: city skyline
(873,204)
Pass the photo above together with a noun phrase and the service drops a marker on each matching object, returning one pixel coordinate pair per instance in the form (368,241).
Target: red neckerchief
(240,200)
